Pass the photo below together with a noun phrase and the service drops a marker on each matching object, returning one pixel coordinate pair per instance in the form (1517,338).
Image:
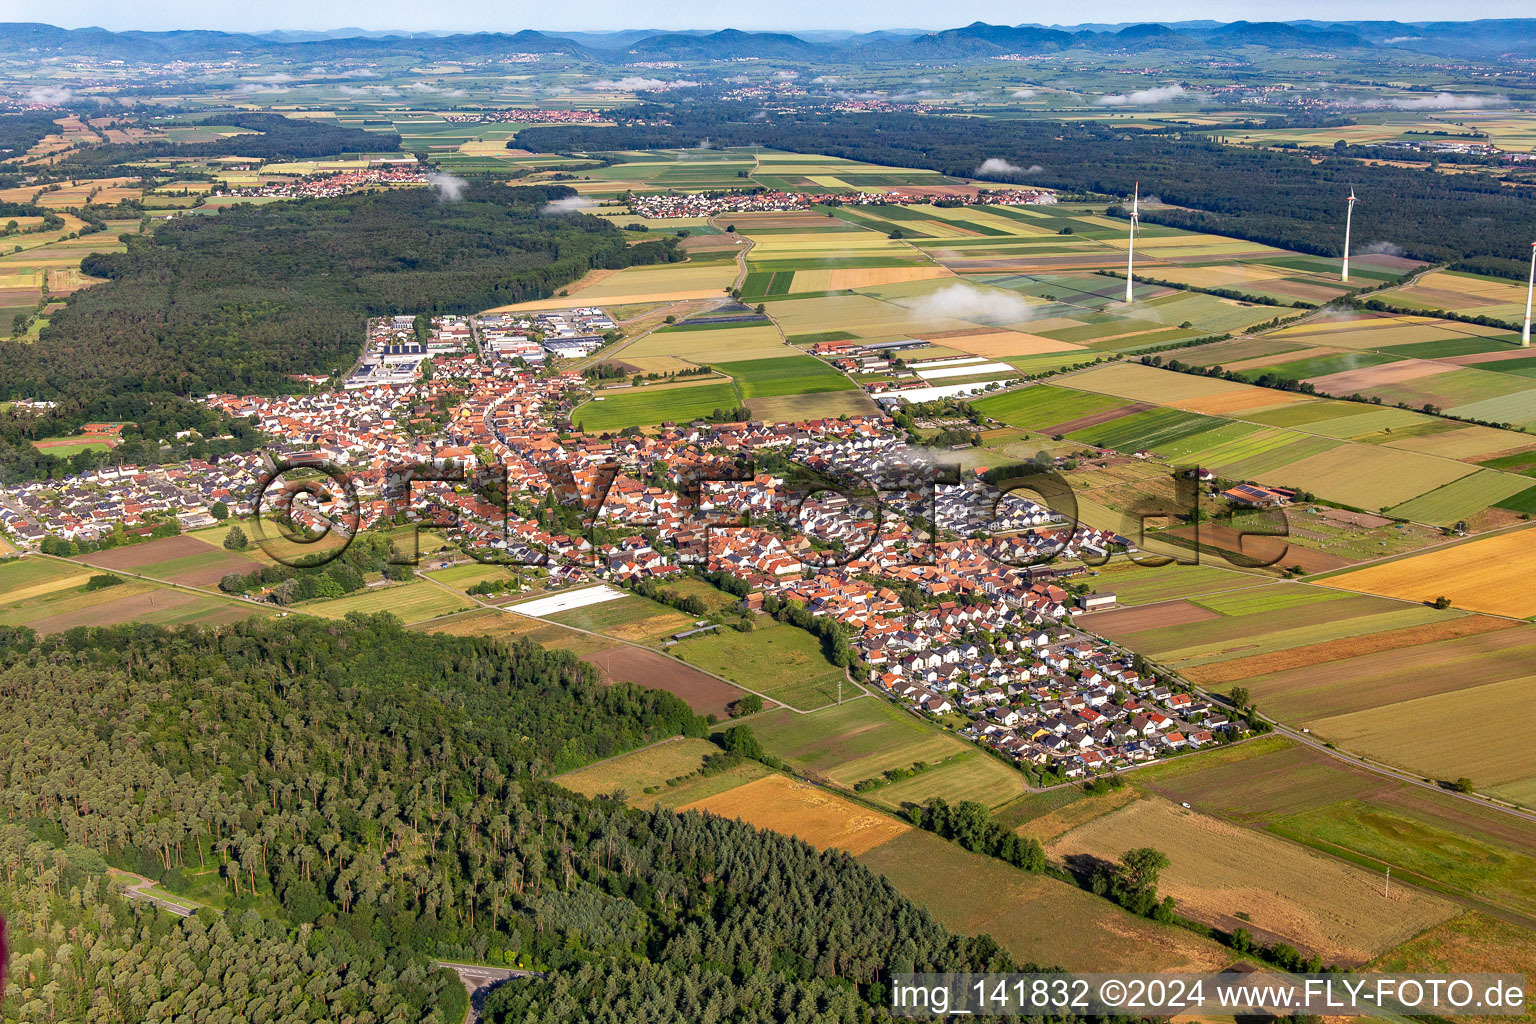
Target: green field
(648,407)
(781,662)
(790,375)
(1041,406)
(410,602)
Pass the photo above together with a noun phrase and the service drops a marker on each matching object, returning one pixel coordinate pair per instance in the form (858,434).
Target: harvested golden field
(1038,919)
(1151,384)
(1218,672)
(1218,870)
(639,769)
(794,808)
(1008,344)
(1488,575)
(863,277)
(1471,943)
(1449,735)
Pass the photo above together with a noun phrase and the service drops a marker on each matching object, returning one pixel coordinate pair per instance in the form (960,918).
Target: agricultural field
(637,770)
(656,404)
(501,625)
(1456,291)
(1315,902)
(1400,682)
(858,740)
(412,602)
(178,559)
(701,691)
(51,597)
(1470,942)
(1430,840)
(1036,918)
(667,282)
(1407,464)
(1486,575)
(630,618)
(780,662)
(824,820)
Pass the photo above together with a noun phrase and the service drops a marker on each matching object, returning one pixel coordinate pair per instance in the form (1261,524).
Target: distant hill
(1485,39)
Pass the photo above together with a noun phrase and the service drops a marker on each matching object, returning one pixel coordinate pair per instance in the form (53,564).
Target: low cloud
(1382,249)
(450,187)
(434,89)
(570,204)
(1399,39)
(826,79)
(249,89)
(963,302)
(997,167)
(1141,97)
(52,95)
(1439,101)
(1023,94)
(635,83)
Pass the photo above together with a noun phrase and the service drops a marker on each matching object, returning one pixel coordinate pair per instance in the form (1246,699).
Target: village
(661,205)
(971,626)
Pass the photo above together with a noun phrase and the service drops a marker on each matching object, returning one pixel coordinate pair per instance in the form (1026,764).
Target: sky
(782,15)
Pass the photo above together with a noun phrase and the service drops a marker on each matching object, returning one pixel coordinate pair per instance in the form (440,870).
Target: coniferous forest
(351,801)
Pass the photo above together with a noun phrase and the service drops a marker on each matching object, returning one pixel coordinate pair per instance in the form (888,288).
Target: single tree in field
(235,539)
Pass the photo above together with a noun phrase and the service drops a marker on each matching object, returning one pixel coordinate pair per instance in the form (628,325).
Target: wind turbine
(1525,332)
(1348,217)
(1130,252)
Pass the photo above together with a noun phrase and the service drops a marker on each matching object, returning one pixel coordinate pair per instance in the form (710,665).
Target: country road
(140,889)
(479,979)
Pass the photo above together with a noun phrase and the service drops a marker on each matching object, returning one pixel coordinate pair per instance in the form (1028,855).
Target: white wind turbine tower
(1525,332)
(1130,252)
(1348,217)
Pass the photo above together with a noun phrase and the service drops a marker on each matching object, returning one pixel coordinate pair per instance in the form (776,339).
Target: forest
(238,301)
(279,138)
(20,131)
(347,801)
(1280,199)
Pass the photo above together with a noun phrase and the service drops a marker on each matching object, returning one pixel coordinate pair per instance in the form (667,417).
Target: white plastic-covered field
(556,603)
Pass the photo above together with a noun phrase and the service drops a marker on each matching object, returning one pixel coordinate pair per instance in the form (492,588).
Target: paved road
(139,889)
(479,979)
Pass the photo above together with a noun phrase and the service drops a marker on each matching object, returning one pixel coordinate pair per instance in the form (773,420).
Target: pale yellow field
(1463,733)
(667,283)
(707,347)
(1006,344)
(1470,442)
(1369,477)
(858,314)
(1240,402)
(1150,384)
(1489,575)
(1316,902)
(843,280)
(806,812)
